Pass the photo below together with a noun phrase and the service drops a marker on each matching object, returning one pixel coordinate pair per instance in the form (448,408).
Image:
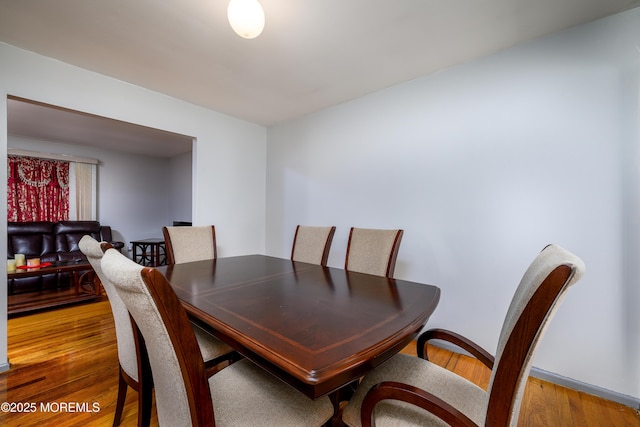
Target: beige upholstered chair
(131,360)
(312,244)
(186,244)
(241,394)
(436,394)
(373,251)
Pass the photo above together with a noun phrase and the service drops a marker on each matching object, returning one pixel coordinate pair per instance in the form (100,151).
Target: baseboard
(623,399)
(630,401)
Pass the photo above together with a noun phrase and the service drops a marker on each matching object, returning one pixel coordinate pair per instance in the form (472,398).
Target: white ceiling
(312,54)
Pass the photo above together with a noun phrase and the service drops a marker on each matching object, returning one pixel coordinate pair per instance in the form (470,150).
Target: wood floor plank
(541,405)
(557,400)
(69,355)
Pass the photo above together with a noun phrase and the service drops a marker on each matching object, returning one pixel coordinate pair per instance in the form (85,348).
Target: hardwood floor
(69,356)
(64,356)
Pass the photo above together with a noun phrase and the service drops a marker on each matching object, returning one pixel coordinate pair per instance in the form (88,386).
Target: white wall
(482,165)
(180,200)
(228,172)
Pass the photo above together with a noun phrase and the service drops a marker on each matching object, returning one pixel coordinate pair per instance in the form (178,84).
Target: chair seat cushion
(210,346)
(244,394)
(465,396)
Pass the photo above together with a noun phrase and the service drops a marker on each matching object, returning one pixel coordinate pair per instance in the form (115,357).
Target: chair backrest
(373,251)
(534,303)
(187,244)
(312,244)
(127,355)
(179,377)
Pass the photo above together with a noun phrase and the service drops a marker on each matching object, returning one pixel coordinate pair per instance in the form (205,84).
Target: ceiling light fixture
(246,17)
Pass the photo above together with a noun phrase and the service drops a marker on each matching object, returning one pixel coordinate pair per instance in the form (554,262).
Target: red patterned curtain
(37,189)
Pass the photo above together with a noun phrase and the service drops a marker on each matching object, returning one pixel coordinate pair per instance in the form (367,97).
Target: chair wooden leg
(145,384)
(144,404)
(145,394)
(122,394)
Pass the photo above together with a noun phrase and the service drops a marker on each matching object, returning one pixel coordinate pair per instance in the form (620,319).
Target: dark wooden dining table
(317,328)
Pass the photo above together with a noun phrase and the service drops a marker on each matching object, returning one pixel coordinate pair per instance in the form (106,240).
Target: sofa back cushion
(34,239)
(68,235)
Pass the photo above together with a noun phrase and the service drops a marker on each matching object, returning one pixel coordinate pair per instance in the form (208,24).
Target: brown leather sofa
(51,242)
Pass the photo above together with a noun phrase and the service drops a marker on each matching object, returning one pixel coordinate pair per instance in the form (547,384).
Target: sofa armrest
(105,233)
(117,245)
(106,236)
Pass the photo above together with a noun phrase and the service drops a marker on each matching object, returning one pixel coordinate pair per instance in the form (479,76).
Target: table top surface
(317,328)
(149,241)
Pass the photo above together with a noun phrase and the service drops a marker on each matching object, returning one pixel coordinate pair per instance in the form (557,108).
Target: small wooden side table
(149,252)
